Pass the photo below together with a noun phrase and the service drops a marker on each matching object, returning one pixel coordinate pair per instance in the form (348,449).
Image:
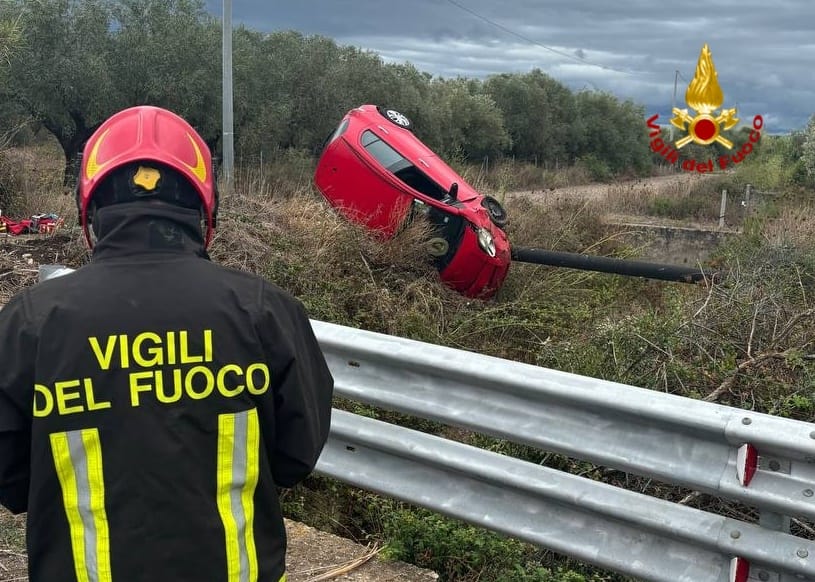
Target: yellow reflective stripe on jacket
(78,462)
(238,468)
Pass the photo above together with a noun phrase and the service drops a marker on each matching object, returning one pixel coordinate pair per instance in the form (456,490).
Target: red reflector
(746,463)
(739,570)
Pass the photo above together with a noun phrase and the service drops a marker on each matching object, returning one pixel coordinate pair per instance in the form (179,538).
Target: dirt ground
(313,556)
(658,184)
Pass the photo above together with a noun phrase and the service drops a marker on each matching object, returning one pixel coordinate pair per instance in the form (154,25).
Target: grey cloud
(763,50)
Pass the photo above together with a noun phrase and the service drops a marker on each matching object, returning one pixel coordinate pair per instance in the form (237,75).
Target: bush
(457,551)
(597,168)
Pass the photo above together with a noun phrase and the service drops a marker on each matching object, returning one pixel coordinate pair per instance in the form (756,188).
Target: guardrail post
(769,519)
(774,521)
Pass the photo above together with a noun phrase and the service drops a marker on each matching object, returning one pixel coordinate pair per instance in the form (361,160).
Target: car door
(352,176)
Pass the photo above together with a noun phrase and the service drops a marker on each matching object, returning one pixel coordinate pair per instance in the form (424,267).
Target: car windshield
(340,130)
(401,166)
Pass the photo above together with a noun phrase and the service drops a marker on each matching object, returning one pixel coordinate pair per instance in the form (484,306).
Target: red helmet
(149,134)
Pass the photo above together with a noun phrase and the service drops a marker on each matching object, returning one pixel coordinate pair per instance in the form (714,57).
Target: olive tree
(80,61)
(469,121)
(167,53)
(61,74)
(9,44)
(539,114)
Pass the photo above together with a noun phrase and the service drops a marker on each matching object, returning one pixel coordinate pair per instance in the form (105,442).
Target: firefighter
(152,402)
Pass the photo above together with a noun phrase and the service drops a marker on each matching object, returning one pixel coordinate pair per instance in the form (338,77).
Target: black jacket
(150,405)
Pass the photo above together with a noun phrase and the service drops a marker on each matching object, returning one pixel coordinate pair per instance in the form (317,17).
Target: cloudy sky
(763,50)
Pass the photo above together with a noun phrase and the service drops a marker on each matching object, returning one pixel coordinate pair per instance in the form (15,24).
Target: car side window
(384,154)
(419,181)
(400,166)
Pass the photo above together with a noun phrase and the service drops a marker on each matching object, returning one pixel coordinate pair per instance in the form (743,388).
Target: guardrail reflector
(746,463)
(739,570)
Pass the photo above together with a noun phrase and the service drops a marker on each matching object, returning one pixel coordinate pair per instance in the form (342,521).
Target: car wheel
(497,213)
(396,118)
(437,247)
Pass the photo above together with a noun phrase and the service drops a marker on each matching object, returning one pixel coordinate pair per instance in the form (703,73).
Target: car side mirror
(453,193)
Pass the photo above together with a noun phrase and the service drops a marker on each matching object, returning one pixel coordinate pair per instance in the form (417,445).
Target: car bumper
(474,274)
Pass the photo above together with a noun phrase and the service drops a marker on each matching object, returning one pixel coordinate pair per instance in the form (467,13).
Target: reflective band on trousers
(78,461)
(238,450)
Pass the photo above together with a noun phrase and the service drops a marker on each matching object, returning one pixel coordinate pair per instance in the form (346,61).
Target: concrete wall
(674,245)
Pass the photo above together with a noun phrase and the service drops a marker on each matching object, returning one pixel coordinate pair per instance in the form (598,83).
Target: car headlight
(485,241)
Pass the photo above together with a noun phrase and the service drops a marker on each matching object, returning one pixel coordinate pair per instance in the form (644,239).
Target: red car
(375,171)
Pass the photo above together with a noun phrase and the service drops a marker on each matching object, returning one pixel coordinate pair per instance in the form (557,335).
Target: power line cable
(532,41)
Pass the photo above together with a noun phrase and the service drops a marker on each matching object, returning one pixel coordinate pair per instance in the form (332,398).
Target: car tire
(497,213)
(396,118)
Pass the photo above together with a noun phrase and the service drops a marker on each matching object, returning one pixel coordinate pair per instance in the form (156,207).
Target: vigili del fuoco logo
(704,96)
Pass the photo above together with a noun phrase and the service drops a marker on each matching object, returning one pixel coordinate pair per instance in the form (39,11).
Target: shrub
(597,168)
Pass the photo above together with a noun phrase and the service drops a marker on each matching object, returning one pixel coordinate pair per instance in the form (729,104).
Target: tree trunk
(72,145)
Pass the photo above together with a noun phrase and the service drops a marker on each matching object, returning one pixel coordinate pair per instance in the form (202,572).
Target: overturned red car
(377,173)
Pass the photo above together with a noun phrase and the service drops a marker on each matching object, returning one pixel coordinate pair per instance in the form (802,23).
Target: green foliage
(539,114)
(10,38)
(81,61)
(611,131)
(808,150)
(10,43)
(458,551)
(469,122)
(598,168)
(167,53)
(61,73)
(776,163)
(453,550)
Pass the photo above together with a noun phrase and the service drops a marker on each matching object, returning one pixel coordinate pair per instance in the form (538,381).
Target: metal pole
(228,145)
(748,190)
(673,103)
(723,209)
(612,265)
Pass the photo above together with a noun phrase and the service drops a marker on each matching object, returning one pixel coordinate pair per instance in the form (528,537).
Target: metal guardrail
(680,441)
(703,446)
(673,439)
(613,528)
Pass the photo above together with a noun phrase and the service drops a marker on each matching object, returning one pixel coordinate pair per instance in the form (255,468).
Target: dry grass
(672,197)
(793,227)
(13,558)
(507,176)
(572,225)
(279,174)
(34,174)
(31,183)
(340,271)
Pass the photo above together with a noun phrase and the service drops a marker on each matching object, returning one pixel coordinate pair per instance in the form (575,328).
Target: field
(748,342)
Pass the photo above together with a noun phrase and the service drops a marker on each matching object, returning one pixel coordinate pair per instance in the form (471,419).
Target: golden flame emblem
(704,95)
